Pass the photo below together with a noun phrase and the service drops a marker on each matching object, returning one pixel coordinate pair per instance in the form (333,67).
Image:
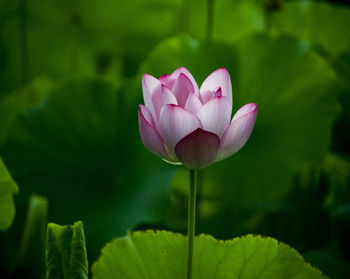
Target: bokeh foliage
(7,188)
(70,76)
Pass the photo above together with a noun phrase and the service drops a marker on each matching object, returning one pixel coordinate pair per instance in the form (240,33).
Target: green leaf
(12,105)
(65,252)
(82,146)
(8,187)
(319,23)
(163,255)
(293,87)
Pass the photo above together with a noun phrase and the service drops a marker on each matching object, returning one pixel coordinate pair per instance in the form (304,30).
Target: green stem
(268,19)
(191,221)
(210,20)
(75,21)
(209,34)
(185,16)
(23,40)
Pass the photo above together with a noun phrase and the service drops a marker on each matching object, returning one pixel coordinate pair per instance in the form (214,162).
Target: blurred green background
(70,75)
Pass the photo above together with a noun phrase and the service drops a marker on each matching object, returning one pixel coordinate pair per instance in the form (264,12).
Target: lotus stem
(23,40)
(185,16)
(209,34)
(191,220)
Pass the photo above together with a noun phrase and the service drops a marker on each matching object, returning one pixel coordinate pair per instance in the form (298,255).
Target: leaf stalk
(191,221)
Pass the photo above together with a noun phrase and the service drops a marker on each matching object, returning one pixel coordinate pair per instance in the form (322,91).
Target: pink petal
(167,80)
(168,97)
(182,88)
(149,135)
(198,149)
(150,87)
(193,104)
(244,110)
(219,78)
(176,123)
(215,115)
(147,115)
(218,92)
(164,78)
(151,84)
(239,131)
(157,101)
(206,96)
(186,72)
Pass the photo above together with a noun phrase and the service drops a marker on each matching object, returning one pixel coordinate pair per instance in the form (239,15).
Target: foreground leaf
(163,255)
(65,252)
(7,188)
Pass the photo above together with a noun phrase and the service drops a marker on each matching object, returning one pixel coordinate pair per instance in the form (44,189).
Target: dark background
(70,74)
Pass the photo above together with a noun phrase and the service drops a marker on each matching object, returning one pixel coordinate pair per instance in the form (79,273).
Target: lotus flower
(182,123)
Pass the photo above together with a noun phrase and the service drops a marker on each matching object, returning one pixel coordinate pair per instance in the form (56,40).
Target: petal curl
(149,135)
(176,123)
(219,78)
(198,149)
(187,73)
(151,88)
(239,131)
(146,114)
(164,78)
(244,110)
(215,115)
(182,88)
(167,80)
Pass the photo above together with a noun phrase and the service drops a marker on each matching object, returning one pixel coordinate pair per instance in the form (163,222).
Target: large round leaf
(81,149)
(26,97)
(320,23)
(163,255)
(292,86)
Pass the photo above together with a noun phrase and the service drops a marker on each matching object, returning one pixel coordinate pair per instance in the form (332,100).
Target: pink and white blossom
(181,122)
